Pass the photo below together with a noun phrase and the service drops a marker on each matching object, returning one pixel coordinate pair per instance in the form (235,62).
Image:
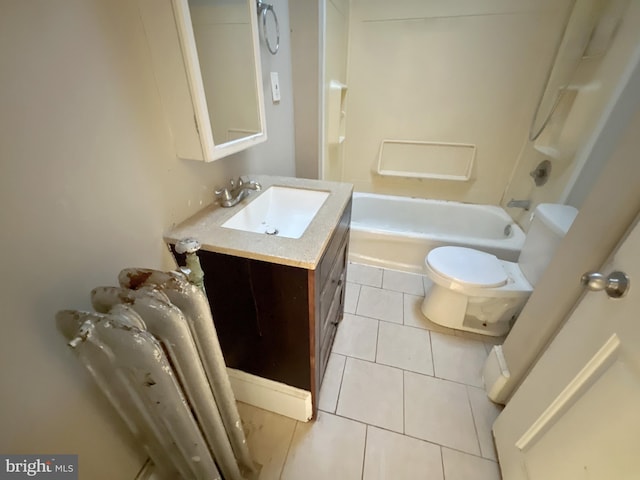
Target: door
(577,413)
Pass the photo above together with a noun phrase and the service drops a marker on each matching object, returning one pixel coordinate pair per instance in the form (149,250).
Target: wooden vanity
(277,315)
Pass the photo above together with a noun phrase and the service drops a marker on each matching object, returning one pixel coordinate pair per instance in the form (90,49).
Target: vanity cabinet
(279,321)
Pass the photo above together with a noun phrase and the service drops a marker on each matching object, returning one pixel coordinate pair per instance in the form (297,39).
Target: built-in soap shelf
(551,142)
(421,159)
(336,112)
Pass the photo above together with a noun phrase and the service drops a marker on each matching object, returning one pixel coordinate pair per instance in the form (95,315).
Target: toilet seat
(466,267)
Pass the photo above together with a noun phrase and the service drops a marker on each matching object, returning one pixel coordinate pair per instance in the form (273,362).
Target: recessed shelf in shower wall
(336,112)
(552,141)
(420,159)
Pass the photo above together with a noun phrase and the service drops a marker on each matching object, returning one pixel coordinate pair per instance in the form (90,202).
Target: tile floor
(401,397)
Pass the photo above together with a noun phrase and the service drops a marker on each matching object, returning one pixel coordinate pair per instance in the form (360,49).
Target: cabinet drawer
(335,244)
(334,305)
(329,326)
(335,280)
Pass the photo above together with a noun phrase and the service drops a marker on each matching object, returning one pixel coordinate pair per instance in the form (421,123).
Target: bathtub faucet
(238,190)
(526,204)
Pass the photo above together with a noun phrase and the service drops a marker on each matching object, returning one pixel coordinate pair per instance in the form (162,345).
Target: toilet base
(485,315)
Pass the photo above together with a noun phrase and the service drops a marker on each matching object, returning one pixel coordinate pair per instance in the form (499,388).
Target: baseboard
(147,471)
(271,395)
(495,375)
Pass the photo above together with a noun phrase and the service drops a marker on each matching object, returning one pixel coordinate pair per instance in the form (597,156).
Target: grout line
(473,417)
(470,454)
(404,406)
(433,358)
(357,298)
(375,357)
(286,457)
(413,437)
(380,320)
(344,368)
(410,371)
(364,452)
(442,462)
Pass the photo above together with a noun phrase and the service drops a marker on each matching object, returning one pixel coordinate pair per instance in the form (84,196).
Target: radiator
(152,348)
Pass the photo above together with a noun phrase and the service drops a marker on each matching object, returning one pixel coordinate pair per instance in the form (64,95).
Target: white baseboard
(147,472)
(495,375)
(271,395)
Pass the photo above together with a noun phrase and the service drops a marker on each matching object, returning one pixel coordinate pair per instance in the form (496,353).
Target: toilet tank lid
(557,217)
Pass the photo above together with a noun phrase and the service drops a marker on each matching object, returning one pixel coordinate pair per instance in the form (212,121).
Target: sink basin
(281,211)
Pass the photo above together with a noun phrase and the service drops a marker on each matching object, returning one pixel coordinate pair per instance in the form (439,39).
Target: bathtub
(398,232)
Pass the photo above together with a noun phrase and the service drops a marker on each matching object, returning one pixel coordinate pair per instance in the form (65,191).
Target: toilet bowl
(476,291)
(473,290)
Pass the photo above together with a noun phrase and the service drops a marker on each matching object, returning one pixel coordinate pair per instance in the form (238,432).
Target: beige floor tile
(403,282)
(364,275)
(438,411)
(458,359)
(485,413)
(330,447)
(356,337)
(391,456)
(461,466)
(404,347)
(268,437)
(372,394)
(380,304)
(328,399)
(413,315)
(351,294)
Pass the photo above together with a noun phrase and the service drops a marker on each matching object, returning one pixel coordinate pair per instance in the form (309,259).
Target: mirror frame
(186,36)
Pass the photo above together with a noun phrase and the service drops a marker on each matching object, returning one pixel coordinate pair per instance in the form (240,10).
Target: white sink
(281,211)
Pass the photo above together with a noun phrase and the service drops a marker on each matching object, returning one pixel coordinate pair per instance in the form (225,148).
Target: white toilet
(478,292)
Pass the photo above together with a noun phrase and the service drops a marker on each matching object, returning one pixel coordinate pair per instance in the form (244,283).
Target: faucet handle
(242,180)
(223,194)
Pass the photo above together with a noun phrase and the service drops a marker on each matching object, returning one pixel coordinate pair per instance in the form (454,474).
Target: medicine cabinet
(206,60)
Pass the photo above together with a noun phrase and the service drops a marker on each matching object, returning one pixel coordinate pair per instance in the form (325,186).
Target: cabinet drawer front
(335,245)
(335,280)
(329,326)
(333,308)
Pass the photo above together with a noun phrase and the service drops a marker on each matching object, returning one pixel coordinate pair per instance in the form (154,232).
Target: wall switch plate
(275,87)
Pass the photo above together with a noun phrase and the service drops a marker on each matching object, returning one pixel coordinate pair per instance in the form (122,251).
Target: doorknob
(616,284)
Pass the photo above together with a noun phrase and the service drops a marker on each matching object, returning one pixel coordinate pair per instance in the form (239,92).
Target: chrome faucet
(526,204)
(238,190)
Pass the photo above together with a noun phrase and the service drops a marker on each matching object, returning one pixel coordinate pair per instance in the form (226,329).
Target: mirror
(219,43)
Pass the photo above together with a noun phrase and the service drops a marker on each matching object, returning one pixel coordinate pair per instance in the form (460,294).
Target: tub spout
(526,204)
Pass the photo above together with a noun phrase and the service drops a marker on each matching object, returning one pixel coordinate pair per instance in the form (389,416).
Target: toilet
(477,292)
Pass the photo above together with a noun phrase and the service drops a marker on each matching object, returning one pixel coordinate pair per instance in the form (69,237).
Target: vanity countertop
(304,252)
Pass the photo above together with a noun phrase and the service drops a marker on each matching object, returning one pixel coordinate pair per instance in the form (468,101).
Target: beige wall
(574,128)
(306,40)
(88,185)
(597,229)
(606,212)
(335,73)
(461,72)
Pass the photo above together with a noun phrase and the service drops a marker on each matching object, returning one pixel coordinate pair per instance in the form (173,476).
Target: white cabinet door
(577,414)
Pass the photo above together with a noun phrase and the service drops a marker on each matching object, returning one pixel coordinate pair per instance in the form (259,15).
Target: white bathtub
(398,232)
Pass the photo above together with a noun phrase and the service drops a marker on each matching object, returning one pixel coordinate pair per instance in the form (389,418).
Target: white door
(577,414)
